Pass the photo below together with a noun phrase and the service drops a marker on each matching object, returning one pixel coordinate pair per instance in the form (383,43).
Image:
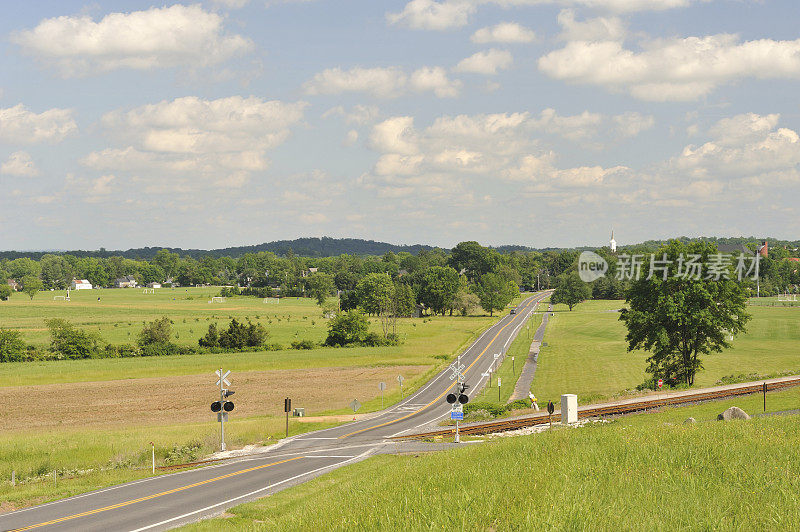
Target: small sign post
(400,380)
(498,388)
(512,365)
(355,405)
(382,387)
(660,383)
(287,407)
(550,409)
(153,449)
(765,397)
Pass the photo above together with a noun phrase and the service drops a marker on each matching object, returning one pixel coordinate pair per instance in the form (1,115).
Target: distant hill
(331,247)
(304,247)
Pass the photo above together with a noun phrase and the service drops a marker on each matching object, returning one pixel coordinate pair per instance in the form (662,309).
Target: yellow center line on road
(147,498)
(444,392)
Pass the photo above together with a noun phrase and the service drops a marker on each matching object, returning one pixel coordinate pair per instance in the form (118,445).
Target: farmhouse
(153,285)
(125,282)
(15,286)
(80,284)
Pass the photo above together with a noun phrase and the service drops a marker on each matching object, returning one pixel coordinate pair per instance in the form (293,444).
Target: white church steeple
(613,243)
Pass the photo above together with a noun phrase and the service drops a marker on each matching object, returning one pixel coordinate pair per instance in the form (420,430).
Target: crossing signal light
(216,406)
(228,406)
(460,396)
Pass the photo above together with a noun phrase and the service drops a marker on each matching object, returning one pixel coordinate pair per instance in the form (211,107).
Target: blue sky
(536,122)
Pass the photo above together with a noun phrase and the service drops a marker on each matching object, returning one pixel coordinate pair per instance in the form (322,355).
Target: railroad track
(612,409)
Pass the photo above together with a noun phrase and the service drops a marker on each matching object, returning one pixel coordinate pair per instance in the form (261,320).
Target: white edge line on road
(148,527)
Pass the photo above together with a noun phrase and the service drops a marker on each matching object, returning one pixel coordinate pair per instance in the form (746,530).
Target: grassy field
(119,316)
(637,473)
(586,352)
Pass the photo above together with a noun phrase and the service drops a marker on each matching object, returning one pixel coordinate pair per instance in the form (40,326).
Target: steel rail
(609,409)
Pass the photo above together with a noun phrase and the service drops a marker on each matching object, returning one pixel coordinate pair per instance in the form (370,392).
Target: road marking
(440,395)
(148,527)
(149,497)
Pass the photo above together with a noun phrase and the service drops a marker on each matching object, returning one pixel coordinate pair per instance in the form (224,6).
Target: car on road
(514,310)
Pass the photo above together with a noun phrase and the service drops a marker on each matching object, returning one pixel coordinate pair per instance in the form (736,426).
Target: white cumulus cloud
(19,125)
(222,140)
(178,35)
(19,164)
(488,62)
(505,32)
(673,69)
(383,82)
(449,14)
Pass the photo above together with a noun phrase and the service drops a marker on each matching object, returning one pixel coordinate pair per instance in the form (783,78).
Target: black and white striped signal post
(223,406)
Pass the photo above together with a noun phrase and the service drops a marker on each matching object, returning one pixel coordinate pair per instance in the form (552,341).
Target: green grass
(637,473)
(586,352)
(119,315)
(92,459)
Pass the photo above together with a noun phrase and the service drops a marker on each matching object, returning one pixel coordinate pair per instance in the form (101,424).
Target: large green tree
(31,285)
(438,289)
(319,286)
(374,293)
(679,318)
(495,292)
(570,290)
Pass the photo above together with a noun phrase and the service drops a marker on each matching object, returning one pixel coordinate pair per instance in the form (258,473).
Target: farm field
(586,352)
(705,476)
(119,315)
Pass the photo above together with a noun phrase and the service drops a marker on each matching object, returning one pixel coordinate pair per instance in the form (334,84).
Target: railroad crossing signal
(460,396)
(222,378)
(456,370)
(660,383)
(223,406)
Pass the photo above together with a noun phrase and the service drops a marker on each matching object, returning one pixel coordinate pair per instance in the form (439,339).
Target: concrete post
(569,408)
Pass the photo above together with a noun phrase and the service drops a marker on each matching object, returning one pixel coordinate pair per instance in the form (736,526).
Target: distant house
(15,286)
(310,271)
(153,285)
(80,284)
(125,282)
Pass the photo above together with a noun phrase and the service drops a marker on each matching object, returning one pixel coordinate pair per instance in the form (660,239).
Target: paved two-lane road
(166,501)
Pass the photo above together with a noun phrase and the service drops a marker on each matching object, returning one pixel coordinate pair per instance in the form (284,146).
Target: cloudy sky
(536,122)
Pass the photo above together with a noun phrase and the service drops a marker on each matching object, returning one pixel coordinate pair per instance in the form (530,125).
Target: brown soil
(187,399)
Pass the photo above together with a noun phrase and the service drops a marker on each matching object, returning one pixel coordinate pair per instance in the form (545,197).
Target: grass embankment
(640,472)
(586,352)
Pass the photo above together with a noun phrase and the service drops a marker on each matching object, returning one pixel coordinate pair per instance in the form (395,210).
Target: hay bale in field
(733,412)
(689,421)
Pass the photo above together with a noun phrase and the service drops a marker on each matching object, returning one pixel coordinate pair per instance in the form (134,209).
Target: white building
(613,243)
(80,284)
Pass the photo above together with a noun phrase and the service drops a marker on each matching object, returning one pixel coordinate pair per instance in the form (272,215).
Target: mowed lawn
(643,472)
(586,352)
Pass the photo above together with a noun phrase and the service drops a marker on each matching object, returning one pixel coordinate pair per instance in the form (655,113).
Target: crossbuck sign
(223,379)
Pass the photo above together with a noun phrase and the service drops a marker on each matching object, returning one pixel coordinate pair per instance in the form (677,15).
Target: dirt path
(186,399)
